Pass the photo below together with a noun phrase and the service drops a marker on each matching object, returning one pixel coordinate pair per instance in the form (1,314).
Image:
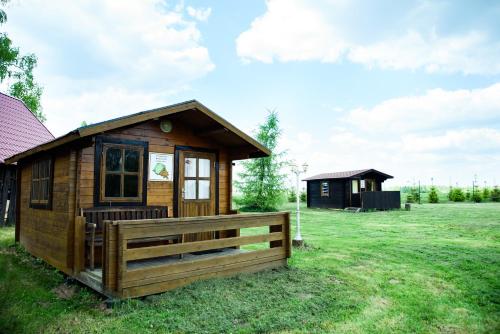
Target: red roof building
(20,130)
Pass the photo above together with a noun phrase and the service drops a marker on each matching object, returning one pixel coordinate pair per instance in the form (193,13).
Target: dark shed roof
(20,130)
(347,174)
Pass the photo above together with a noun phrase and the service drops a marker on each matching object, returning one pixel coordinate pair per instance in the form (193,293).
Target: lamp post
(297,240)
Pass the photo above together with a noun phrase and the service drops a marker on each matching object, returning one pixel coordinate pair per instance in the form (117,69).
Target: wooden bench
(94,218)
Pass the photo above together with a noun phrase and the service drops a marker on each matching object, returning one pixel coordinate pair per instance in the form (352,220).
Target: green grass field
(433,269)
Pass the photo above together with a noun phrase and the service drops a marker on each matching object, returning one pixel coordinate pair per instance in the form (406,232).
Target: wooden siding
(49,233)
(336,198)
(122,280)
(158,193)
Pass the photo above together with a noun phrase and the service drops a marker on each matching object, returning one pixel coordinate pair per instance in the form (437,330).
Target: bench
(94,218)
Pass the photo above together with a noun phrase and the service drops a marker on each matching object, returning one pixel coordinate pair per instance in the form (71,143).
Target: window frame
(358,186)
(102,145)
(321,190)
(43,204)
(197,178)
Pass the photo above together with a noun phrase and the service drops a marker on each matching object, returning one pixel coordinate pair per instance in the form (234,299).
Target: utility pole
(297,240)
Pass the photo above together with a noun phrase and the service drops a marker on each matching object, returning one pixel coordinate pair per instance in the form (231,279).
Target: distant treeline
(433,194)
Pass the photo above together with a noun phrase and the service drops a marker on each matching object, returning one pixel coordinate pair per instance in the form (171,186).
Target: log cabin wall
(48,233)
(158,193)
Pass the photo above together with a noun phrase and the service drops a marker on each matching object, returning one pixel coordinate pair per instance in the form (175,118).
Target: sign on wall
(161,167)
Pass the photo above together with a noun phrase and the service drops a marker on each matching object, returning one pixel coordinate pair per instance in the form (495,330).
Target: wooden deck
(133,270)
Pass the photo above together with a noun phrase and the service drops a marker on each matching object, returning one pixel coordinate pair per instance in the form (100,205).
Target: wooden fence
(132,268)
(381,200)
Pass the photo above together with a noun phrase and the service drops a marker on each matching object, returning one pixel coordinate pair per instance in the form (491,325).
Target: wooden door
(196,196)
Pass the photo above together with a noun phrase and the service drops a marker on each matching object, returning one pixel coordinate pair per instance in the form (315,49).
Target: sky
(411,88)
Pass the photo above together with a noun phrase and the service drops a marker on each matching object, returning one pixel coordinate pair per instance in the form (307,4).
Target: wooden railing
(133,269)
(381,200)
(94,218)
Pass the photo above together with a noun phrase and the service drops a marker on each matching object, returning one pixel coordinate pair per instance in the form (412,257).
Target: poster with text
(161,167)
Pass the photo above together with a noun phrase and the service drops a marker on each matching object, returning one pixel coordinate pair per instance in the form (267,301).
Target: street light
(298,241)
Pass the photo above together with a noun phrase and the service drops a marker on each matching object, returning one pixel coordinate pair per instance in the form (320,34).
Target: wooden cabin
(354,189)
(19,130)
(141,204)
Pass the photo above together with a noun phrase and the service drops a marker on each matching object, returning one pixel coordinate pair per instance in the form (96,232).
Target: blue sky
(408,87)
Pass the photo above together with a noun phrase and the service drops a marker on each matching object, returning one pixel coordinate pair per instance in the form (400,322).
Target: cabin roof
(347,174)
(20,130)
(206,123)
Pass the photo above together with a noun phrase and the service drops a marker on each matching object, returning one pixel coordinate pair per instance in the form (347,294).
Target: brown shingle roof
(345,174)
(20,130)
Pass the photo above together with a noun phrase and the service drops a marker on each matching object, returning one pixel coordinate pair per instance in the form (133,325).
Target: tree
(457,195)
(262,183)
(486,193)
(18,70)
(476,197)
(495,194)
(433,195)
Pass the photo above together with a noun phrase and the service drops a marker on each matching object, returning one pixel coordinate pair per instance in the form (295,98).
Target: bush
(467,195)
(433,195)
(457,195)
(410,198)
(291,196)
(303,196)
(495,194)
(486,193)
(476,197)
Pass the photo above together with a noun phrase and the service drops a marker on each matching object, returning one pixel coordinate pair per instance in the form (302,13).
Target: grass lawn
(433,269)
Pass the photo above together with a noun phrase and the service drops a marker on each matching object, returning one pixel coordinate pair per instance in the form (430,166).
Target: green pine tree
(433,195)
(262,183)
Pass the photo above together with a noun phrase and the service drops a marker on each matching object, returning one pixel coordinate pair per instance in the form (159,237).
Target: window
(41,184)
(325,189)
(120,172)
(355,186)
(196,178)
(363,184)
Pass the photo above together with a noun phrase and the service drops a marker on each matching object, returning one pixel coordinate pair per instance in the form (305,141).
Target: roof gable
(20,130)
(175,109)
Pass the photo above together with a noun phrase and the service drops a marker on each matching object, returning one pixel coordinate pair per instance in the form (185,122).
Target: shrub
(495,194)
(486,193)
(433,195)
(303,196)
(291,196)
(457,195)
(410,198)
(467,195)
(476,197)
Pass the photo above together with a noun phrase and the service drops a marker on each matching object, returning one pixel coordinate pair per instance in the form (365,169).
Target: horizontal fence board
(168,285)
(195,264)
(213,268)
(196,246)
(183,228)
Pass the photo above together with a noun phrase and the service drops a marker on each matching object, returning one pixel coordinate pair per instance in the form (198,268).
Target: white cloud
(301,30)
(290,30)
(104,50)
(201,14)
(436,109)
(447,135)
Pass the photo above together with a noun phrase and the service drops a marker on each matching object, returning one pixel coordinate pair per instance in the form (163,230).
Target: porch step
(352,209)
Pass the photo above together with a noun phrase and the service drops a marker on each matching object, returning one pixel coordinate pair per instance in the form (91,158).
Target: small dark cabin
(357,188)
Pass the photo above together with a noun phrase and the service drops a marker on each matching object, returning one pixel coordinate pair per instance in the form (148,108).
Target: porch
(147,256)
